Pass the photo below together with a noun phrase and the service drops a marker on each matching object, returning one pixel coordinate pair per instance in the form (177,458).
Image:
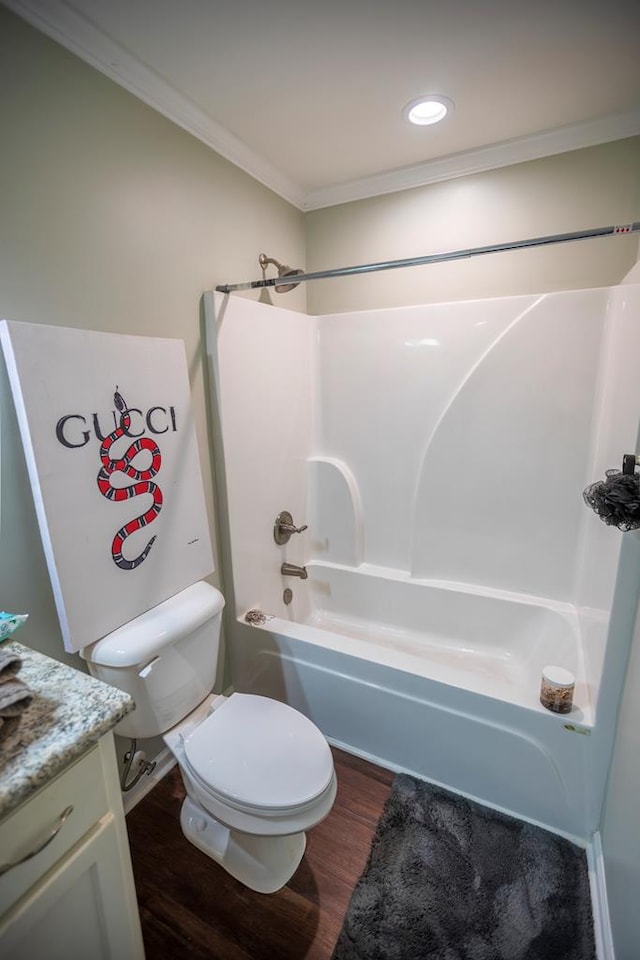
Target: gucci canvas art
(107,431)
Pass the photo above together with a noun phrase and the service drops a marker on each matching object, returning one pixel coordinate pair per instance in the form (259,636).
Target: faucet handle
(291,528)
(284,527)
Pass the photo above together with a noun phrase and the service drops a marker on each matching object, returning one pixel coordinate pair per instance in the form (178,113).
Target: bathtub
(438,679)
(452,441)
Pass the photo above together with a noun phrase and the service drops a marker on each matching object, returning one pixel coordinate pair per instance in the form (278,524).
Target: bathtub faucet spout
(291,570)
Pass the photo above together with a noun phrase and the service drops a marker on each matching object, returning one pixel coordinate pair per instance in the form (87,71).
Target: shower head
(283,271)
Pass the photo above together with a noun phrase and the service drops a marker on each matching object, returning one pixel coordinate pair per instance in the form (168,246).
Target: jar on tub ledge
(556,689)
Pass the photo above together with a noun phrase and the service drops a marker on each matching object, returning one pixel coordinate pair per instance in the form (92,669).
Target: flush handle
(146,670)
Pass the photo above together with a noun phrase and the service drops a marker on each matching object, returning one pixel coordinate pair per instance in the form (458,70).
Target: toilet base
(263,864)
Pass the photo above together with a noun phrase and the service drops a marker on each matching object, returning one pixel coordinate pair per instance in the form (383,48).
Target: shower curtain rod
(437,257)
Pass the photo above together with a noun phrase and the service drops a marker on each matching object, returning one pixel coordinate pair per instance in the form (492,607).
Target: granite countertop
(69,712)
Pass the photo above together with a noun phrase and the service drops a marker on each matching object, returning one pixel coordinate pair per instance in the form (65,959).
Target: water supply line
(144,766)
(614,230)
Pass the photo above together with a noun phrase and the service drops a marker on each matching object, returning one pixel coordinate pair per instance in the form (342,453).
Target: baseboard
(599,902)
(164,762)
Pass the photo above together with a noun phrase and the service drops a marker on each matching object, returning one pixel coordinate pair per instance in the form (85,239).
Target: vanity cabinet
(73,899)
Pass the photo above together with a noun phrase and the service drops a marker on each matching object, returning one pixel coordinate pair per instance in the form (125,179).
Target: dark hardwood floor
(191,909)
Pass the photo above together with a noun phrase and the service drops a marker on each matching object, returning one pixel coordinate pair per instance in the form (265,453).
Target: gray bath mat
(449,879)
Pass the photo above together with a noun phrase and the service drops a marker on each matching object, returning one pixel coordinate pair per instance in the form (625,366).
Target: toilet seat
(259,756)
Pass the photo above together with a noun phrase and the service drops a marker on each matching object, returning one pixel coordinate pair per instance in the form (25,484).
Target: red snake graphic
(143,484)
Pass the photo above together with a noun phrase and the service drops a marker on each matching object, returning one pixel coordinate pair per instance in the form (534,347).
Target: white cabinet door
(81,910)
(54,820)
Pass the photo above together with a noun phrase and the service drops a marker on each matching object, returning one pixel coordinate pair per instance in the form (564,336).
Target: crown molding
(535,147)
(77,34)
(73,31)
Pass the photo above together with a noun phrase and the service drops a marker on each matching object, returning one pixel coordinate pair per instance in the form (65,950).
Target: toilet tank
(166,659)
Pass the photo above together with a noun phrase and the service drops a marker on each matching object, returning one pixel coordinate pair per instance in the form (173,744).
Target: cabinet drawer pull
(5,867)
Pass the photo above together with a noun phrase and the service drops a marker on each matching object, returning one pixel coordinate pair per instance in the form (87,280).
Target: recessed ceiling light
(428,109)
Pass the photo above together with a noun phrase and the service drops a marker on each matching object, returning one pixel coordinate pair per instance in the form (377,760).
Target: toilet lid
(258,752)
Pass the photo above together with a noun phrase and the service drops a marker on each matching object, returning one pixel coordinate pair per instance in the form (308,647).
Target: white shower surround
(438,454)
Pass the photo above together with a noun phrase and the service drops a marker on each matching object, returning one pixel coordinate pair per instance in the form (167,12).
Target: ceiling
(308,97)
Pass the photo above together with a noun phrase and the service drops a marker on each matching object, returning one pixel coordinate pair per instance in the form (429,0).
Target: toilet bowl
(258,773)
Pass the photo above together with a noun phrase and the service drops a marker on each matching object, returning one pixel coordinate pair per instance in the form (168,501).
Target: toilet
(258,773)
